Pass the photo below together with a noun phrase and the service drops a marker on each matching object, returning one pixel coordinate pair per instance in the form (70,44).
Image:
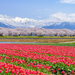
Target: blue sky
(36,9)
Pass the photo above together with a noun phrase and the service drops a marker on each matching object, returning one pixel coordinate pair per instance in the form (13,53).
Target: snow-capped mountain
(15,22)
(6,26)
(67,25)
(22,22)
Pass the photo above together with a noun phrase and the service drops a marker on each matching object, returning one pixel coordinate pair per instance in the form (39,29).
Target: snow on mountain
(21,22)
(25,22)
(56,21)
(67,25)
(6,26)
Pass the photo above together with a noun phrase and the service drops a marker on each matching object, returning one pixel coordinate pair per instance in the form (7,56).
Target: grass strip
(54,44)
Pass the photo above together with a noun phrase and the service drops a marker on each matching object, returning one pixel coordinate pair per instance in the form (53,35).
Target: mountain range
(58,25)
(6,26)
(67,25)
(15,22)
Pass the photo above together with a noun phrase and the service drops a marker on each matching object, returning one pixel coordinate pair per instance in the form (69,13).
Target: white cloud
(62,17)
(68,1)
(72,15)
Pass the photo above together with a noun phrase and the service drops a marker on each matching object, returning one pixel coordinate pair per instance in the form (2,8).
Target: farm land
(48,57)
(23,59)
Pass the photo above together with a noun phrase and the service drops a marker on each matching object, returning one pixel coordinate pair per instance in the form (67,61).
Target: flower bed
(37,59)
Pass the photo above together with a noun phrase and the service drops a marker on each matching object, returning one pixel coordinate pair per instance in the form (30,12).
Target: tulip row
(52,50)
(26,64)
(45,49)
(32,55)
(10,69)
(46,59)
(44,66)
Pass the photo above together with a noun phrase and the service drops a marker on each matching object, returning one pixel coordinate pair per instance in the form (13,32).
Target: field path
(68,42)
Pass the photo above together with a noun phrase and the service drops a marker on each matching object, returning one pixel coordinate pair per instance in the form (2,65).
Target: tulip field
(23,59)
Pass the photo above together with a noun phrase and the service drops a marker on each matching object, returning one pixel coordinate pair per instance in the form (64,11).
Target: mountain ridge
(67,25)
(6,26)
(49,25)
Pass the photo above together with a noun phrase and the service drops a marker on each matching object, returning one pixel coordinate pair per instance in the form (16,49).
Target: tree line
(35,32)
